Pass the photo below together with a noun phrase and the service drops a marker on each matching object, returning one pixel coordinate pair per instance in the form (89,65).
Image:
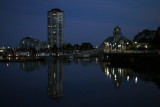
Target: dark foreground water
(77,83)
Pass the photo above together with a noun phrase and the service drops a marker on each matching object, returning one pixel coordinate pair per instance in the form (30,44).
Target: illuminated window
(54,14)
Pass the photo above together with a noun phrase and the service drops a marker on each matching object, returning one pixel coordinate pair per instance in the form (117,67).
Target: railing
(132,51)
(104,50)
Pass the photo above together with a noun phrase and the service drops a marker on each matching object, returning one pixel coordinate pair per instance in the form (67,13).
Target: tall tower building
(56,27)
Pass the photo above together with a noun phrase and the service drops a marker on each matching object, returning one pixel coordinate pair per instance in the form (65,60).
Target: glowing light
(54,75)
(113,71)
(7,64)
(107,72)
(119,45)
(120,71)
(127,78)
(146,46)
(48,46)
(136,80)
(115,76)
(110,76)
(96,59)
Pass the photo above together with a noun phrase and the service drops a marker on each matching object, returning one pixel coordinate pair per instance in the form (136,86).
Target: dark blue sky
(85,20)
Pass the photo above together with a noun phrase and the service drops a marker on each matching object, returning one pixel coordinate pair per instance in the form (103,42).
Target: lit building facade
(117,41)
(56,28)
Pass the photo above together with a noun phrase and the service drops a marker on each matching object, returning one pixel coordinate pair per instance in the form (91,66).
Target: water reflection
(32,65)
(131,75)
(56,79)
(118,75)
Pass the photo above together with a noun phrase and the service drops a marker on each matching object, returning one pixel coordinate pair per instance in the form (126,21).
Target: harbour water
(77,83)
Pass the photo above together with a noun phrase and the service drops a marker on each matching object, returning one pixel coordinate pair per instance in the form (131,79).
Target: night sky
(85,20)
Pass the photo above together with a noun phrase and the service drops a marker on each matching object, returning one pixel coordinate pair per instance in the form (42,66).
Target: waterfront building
(117,41)
(32,43)
(28,43)
(6,50)
(56,28)
(2,51)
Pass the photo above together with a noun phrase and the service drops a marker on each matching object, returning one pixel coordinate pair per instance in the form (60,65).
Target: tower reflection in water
(56,79)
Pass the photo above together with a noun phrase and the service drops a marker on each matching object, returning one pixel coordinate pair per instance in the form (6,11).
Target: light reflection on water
(80,82)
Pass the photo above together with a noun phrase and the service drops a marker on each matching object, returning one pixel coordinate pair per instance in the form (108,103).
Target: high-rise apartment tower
(56,27)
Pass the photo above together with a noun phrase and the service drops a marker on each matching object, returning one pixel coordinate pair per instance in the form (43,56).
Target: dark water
(77,83)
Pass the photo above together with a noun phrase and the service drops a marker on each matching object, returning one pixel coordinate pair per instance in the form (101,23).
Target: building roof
(28,42)
(56,9)
(109,39)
